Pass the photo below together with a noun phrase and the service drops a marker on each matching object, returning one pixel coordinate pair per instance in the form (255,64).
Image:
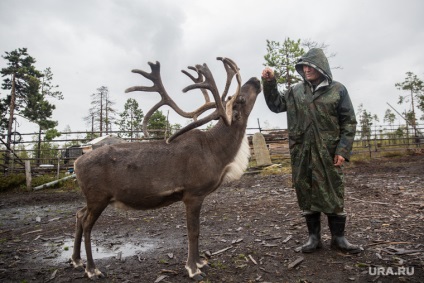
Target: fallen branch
(253,260)
(221,251)
(387,243)
(31,232)
(296,262)
(373,202)
(54,182)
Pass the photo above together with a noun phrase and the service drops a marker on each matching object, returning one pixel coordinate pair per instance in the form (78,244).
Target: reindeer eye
(241,100)
(236,115)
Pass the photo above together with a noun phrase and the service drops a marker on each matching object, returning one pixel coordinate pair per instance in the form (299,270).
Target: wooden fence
(59,154)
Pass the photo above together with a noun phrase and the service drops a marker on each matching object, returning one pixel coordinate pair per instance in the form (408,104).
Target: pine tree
(415,87)
(159,124)
(19,75)
(131,120)
(283,57)
(29,89)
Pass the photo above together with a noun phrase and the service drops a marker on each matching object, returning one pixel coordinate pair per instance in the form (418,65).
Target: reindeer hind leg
(76,260)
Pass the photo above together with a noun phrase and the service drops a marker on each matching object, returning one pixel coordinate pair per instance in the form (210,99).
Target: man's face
(311,74)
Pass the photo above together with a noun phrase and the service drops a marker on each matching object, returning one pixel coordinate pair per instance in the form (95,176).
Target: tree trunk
(10,124)
(413,115)
(288,72)
(101,113)
(39,147)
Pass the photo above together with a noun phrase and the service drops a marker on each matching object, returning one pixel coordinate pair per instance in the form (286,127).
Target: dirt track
(250,229)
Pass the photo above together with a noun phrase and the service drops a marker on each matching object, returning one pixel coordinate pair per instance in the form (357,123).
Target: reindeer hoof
(199,277)
(205,266)
(202,264)
(77,263)
(94,275)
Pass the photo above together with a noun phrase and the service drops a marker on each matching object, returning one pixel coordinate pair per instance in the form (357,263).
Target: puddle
(64,249)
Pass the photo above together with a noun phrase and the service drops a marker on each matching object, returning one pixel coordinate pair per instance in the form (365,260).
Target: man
(322,125)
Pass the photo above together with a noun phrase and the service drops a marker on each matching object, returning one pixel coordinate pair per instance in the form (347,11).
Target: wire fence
(60,153)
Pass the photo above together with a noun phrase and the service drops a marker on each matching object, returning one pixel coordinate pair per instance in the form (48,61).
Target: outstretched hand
(268,74)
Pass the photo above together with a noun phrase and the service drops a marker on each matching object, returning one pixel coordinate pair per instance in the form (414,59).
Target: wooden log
(54,182)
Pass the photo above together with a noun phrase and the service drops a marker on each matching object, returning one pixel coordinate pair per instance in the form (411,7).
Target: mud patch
(250,232)
(61,249)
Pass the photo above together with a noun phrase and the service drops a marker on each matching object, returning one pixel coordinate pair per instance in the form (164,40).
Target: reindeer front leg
(194,262)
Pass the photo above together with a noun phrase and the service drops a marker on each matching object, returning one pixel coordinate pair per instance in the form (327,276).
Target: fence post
(259,126)
(28,174)
(58,167)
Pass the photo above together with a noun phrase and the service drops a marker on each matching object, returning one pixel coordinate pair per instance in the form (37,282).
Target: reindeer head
(246,100)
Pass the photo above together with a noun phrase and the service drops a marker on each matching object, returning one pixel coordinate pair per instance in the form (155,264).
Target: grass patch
(12,181)
(391,154)
(18,182)
(276,169)
(218,265)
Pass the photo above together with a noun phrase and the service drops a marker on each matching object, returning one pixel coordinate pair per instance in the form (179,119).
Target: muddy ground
(250,232)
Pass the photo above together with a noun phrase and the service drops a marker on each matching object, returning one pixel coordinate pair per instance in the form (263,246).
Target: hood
(315,58)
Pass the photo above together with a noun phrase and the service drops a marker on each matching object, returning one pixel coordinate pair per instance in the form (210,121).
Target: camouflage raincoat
(321,124)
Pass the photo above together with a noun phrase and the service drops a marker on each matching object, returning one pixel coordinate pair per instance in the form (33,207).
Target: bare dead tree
(188,167)
(309,43)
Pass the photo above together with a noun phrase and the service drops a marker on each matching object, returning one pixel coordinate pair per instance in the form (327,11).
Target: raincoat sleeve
(347,122)
(275,100)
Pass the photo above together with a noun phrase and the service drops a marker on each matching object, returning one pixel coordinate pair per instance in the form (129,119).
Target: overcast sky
(89,44)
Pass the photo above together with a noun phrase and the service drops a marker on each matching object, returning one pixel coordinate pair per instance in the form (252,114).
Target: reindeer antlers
(204,82)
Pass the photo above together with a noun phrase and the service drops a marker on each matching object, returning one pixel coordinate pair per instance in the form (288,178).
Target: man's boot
(337,225)
(313,222)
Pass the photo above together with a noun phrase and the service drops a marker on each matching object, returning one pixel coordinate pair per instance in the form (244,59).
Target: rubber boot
(313,222)
(337,225)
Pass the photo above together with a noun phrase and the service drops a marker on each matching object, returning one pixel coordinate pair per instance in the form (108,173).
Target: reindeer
(187,167)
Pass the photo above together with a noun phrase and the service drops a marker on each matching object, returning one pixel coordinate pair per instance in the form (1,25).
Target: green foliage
(38,109)
(28,90)
(51,134)
(20,75)
(46,178)
(393,154)
(176,127)
(47,88)
(283,57)
(21,65)
(365,121)
(18,181)
(22,152)
(11,181)
(210,125)
(159,122)
(400,131)
(389,117)
(42,179)
(47,152)
(415,88)
(131,119)
(218,265)
(3,114)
